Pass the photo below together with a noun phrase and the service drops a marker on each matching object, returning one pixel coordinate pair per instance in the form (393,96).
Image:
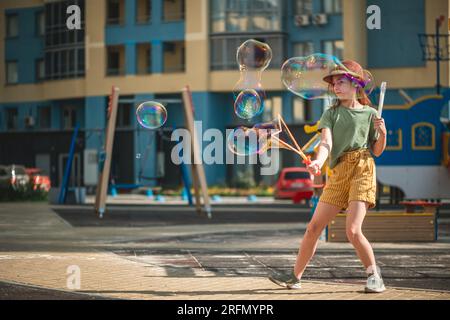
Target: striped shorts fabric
(352,179)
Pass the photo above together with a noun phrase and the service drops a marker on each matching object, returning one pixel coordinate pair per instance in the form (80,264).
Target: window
(303,49)
(423,136)
(115,60)
(173,10)
(12,25)
(64,49)
(332,6)
(144,11)
(394,139)
(302,7)
(64,63)
(335,48)
(174,56)
(272,107)
(12,75)
(143,53)
(301,110)
(40,70)
(223,50)
(115,12)
(40,23)
(11,119)
(44,117)
(124,115)
(245,16)
(69,117)
(294,175)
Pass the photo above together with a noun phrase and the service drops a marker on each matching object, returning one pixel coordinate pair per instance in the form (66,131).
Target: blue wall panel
(28,46)
(396,44)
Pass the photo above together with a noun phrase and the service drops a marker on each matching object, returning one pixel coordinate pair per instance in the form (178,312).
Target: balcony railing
(174,68)
(115,72)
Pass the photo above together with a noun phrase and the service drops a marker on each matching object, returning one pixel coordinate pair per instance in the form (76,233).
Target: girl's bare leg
(323,214)
(356,212)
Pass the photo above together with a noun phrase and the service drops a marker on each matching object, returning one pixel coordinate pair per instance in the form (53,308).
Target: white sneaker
(289,281)
(374,284)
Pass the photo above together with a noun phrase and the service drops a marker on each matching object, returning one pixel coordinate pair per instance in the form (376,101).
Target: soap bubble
(248,104)
(304,76)
(245,141)
(151,114)
(253,55)
(257,139)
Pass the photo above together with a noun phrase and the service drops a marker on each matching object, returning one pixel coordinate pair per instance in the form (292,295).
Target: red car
(38,180)
(294,181)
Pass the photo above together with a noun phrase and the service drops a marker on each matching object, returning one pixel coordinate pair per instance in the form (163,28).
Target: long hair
(363,98)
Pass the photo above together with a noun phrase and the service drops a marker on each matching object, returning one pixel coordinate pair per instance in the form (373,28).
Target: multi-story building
(53,78)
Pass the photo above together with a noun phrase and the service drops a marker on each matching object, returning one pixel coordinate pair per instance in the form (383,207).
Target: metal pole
(438,84)
(66,178)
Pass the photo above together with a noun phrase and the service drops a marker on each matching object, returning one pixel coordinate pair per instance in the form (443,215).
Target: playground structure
(416,158)
(105,157)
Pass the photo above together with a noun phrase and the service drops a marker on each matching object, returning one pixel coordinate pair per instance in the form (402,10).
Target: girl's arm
(379,145)
(322,154)
(326,143)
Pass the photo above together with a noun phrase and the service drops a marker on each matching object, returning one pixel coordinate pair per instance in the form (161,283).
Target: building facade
(54,79)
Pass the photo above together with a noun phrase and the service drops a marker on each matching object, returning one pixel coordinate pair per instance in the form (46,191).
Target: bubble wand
(381,101)
(306,159)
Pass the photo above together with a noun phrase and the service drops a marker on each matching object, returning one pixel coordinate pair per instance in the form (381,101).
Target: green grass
(22,193)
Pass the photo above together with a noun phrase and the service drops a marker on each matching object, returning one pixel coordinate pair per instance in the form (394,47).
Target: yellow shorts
(352,179)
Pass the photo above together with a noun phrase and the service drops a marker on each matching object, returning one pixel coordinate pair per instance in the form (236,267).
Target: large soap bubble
(304,76)
(253,55)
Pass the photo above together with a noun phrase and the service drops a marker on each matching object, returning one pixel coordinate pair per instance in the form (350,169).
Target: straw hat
(351,69)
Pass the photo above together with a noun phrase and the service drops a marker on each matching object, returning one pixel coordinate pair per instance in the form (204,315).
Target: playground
(225,150)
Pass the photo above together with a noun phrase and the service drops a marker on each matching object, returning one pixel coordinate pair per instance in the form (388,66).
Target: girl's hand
(379,125)
(314,167)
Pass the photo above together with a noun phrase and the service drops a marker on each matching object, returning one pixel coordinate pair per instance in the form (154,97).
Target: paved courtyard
(167,252)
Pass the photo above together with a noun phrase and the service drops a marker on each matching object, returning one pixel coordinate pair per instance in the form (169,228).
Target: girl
(348,129)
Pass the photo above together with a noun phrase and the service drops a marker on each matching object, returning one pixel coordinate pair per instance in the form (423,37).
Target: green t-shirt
(351,129)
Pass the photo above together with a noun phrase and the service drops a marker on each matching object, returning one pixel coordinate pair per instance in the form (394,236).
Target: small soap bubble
(151,114)
(248,104)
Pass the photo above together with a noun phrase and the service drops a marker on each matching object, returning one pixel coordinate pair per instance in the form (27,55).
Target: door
(42,161)
(75,172)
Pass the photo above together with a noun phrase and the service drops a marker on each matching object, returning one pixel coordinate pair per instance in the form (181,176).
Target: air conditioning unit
(29,121)
(302,20)
(320,19)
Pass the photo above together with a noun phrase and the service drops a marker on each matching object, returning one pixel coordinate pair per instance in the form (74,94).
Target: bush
(22,193)
(244,179)
(261,191)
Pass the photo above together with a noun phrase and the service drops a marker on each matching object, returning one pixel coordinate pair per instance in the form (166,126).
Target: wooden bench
(389,226)
(425,206)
